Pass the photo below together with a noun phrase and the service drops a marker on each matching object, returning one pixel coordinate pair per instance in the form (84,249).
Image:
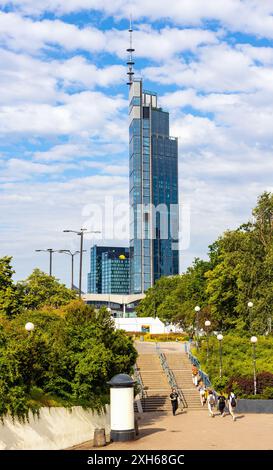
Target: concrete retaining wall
(245,405)
(57,428)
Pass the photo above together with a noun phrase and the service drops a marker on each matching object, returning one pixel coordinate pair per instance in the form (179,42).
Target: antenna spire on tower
(130,51)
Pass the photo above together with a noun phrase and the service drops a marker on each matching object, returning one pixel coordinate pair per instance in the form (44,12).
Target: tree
(149,306)
(69,358)
(40,289)
(240,269)
(9,302)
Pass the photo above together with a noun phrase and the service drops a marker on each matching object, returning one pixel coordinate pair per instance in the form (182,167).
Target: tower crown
(130,61)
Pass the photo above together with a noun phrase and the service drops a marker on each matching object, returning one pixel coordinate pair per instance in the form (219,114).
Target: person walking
(194,372)
(211,403)
(222,404)
(232,403)
(202,392)
(174,400)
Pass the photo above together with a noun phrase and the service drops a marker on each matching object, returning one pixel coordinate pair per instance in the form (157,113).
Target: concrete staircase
(157,389)
(182,370)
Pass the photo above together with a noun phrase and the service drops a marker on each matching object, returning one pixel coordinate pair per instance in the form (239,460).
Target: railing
(143,394)
(204,377)
(170,376)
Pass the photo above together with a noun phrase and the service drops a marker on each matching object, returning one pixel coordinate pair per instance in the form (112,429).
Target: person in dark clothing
(222,404)
(174,400)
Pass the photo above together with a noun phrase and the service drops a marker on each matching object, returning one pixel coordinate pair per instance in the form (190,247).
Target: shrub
(240,385)
(165,337)
(268,393)
(245,385)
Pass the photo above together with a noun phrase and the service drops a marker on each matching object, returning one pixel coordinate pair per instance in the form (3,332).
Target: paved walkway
(195,430)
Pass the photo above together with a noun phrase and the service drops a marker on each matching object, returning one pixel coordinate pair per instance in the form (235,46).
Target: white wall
(135,324)
(57,428)
(156,325)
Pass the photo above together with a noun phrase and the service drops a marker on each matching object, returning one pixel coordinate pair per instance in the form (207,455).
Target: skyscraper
(153,188)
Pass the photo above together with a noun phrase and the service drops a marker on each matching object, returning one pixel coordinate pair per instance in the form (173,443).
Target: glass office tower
(153,191)
(115,272)
(108,261)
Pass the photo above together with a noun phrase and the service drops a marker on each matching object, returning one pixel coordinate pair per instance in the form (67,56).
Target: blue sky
(63,114)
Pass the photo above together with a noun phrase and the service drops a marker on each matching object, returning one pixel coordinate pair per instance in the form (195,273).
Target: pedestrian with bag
(232,403)
(222,404)
(211,403)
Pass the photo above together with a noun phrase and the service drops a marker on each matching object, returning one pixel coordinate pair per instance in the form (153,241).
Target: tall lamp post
(220,339)
(81,233)
(29,326)
(50,251)
(250,306)
(207,325)
(197,310)
(70,253)
(254,340)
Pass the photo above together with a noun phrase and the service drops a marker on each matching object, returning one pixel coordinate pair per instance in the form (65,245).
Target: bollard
(99,438)
(136,426)
(122,408)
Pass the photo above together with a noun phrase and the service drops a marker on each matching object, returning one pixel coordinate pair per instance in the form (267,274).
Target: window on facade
(146,112)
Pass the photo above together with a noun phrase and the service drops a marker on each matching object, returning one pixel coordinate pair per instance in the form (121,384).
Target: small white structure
(122,408)
(145,325)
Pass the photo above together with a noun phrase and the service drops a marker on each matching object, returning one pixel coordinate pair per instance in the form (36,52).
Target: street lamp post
(81,233)
(220,339)
(250,306)
(50,251)
(29,326)
(70,253)
(207,325)
(197,310)
(254,340)
(269,325)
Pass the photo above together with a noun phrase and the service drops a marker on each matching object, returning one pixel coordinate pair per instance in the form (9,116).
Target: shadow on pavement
(147,432)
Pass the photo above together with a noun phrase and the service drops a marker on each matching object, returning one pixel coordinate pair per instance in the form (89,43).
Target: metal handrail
(170,376)
(143,393)
(204,377)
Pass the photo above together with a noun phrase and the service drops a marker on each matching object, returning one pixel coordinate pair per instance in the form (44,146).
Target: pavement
(195,430)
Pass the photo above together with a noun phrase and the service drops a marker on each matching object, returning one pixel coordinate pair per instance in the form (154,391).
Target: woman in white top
(232,405)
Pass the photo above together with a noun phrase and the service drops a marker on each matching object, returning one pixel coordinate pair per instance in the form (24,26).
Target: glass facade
(153,191)
(115,273)
(99,269)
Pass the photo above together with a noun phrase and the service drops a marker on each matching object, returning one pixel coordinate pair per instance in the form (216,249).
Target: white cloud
(216,68)
(250,16)
(20,33)
(220,107)
(84,114)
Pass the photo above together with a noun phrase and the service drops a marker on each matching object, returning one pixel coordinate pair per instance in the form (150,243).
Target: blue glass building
(109,270)
(153,190)
(115,272)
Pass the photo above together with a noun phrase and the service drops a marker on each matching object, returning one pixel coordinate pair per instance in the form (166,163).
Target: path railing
(204,377)
(170,375)
(142,392)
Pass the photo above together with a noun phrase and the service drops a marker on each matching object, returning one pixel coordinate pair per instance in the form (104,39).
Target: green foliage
(237,364)
(9,302)
(268,393)
(66,360)
(37,291)
(40,289)
(239,270)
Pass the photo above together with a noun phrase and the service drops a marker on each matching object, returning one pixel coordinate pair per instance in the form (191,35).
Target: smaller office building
(109,270)
(115,272)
